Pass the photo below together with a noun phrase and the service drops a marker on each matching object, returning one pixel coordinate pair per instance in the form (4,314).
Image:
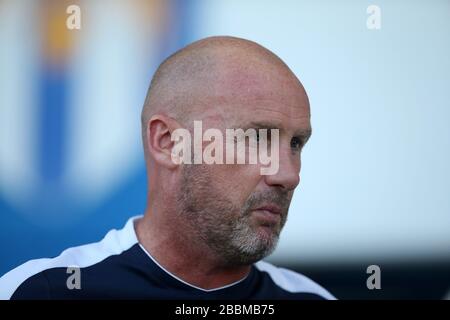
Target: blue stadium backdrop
(71,162)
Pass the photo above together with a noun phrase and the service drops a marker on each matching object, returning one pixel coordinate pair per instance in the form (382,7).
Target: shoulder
(292,281)
(30,278)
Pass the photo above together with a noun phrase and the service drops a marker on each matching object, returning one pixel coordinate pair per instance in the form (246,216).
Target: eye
(296,143)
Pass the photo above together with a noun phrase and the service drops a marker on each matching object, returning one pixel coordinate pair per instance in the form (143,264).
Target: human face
(235,210)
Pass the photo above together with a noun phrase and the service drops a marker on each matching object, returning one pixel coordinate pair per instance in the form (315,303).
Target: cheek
(237,182)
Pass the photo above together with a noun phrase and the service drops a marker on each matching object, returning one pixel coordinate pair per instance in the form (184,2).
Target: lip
(270,208)
(268,215)
(266,218)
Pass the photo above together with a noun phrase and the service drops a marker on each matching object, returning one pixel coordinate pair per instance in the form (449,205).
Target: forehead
(263,87)
(256,90)
(268,114)
(274,105)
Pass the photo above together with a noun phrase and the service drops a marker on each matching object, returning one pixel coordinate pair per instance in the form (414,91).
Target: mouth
(268,215)
(270,208)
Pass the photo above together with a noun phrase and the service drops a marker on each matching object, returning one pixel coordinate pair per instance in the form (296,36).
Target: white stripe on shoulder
(292,281)
(115,242)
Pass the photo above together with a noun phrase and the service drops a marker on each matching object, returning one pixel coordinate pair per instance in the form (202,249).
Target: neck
(183,255)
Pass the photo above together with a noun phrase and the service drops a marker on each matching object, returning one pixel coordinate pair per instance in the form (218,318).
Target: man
(206,226)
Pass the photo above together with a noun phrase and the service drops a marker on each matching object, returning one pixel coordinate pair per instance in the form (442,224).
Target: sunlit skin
(247,87)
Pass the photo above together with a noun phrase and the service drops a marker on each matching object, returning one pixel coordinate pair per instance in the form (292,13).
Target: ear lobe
(159,143)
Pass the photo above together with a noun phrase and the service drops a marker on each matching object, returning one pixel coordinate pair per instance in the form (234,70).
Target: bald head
(204,72)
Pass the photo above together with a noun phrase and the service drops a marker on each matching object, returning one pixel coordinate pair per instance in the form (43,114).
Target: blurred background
(375,174)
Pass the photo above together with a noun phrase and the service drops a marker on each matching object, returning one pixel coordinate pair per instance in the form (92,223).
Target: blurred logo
(71,101)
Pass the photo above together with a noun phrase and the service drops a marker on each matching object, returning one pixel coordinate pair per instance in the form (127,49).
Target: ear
(159,143)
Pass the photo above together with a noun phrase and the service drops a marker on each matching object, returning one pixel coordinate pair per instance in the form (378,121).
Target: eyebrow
(304,134)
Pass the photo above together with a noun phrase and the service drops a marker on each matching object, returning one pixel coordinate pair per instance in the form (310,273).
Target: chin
(266,243)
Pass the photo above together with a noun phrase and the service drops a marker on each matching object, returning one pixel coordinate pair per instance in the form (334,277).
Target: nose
(288,174)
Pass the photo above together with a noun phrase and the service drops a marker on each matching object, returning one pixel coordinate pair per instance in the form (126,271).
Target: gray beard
(213,218)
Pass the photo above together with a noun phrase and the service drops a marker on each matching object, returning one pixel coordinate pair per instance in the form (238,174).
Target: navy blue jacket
(118,267)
